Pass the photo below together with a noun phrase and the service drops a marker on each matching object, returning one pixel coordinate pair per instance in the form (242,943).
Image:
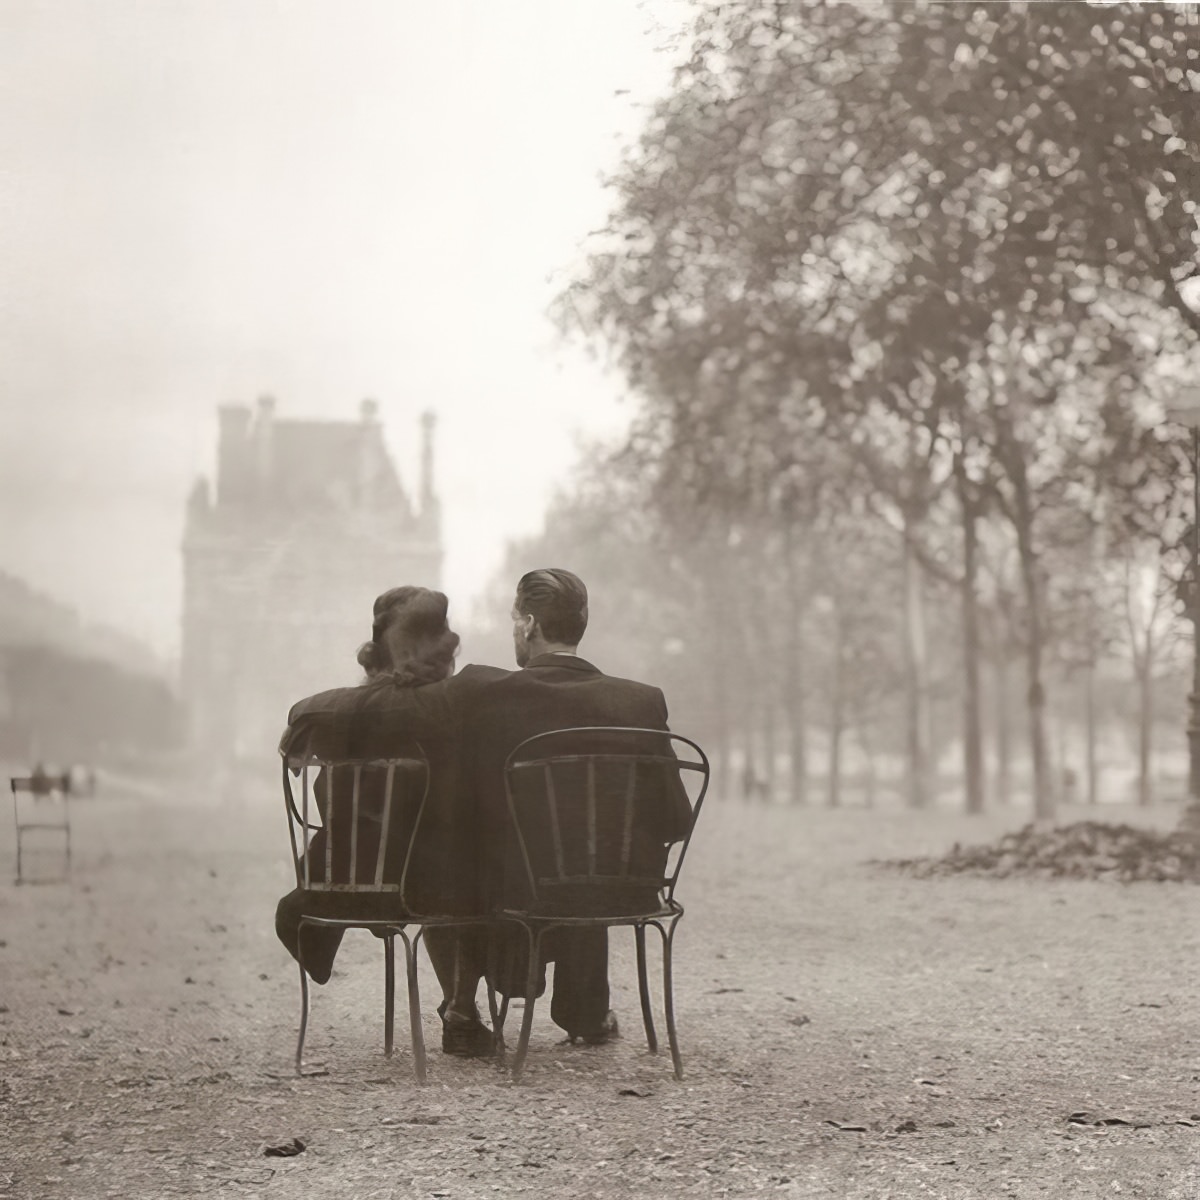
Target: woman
(411,645)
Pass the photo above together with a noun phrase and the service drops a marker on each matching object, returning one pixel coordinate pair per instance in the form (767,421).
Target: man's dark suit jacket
(480,715)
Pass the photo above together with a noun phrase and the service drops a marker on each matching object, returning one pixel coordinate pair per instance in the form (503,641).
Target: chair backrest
(595,812)
(357,819)
(41,784)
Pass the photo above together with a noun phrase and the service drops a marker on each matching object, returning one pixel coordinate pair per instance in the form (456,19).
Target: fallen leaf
(286,1149)
(1090,1118)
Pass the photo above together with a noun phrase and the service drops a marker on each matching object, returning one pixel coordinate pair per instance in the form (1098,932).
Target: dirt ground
(847,1031)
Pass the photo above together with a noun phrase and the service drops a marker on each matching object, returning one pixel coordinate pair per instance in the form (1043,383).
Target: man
(486,714)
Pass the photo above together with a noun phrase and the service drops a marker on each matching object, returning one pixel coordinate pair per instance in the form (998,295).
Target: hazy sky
(206,200)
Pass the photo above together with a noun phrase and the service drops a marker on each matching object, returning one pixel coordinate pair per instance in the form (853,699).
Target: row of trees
(903,293)
(59,707)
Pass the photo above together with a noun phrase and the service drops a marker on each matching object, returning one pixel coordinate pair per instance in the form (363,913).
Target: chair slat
(354,802)
(304,821)
(328,823)
(555,832)
(591,816)
(627,825)
(381,853)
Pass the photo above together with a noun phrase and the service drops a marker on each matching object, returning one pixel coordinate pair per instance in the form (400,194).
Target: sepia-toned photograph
(600,599)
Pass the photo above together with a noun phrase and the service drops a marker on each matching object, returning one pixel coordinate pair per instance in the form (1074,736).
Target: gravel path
(847,1031)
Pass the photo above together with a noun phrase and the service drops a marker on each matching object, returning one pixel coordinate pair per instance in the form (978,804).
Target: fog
(883,482)
(208,202)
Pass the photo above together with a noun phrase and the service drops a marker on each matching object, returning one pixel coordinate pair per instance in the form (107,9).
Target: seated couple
(468,723)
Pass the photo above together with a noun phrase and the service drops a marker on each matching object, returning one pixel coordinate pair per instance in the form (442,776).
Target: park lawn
(847,1031)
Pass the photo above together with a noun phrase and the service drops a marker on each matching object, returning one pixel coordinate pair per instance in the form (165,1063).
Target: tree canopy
(903,262)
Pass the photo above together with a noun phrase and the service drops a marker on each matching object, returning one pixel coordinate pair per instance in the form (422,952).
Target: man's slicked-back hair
(558,601)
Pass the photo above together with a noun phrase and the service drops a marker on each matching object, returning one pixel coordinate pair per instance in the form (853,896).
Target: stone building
(309,522)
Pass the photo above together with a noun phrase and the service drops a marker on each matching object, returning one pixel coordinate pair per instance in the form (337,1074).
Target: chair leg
(389,991)
(498,1010)
(535,949)
(669,997)
(497,1015)
(303,1020)
(414,1005)
(644,989)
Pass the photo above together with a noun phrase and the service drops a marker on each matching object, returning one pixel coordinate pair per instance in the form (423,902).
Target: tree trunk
(794,672)
(722,682)
(1146,725)
(1093,776)
(1061,741)
(1043,793)
(752,715)
(864,741)
(1143,645)
(769,738)
(837,716)
(798,747)
(916,671)
(721,775)
(972,729)
(1003,732)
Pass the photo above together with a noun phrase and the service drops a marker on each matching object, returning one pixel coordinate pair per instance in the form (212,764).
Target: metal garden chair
(49,813)
(364,850)
(589,812)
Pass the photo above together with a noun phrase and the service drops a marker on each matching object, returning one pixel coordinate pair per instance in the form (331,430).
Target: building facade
(308,522)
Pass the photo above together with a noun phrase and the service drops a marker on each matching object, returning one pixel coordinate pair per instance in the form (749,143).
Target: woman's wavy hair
(420,616)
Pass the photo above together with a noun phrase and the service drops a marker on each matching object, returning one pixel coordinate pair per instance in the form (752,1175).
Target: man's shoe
(609,1031)
(465,1037)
